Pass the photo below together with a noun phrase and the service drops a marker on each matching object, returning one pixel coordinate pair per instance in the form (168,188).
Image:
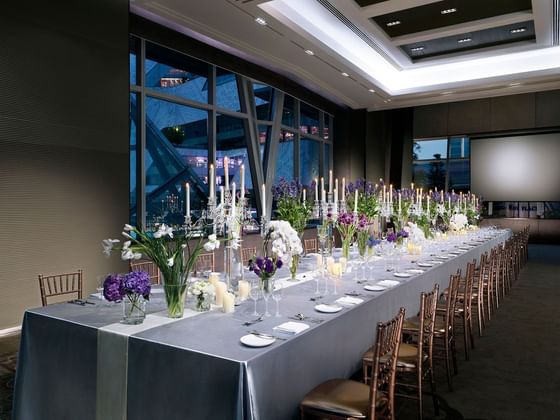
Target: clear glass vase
(202,304)
(294,266)
(134,309)
(175,290)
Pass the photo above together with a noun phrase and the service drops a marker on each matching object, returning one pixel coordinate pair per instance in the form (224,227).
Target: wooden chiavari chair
(247,254)
(342,399)
(464,308)
(204,262)
(149,267)
(60,284)
(310,245)
(480,276)
(415,358)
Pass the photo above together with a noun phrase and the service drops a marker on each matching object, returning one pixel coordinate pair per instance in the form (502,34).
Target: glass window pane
(227,95)
(263,101)
(176,74)
(133,48)
(176,153)
(327,127)
(327,160)
(309,119)
(459,147)
(430,149)
(231,142)
(459,175)
(309,160)
(285,157)
(429,175)
(133,113)
(288,111)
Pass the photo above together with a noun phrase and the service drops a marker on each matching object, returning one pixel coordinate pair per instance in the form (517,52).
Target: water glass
(277,292)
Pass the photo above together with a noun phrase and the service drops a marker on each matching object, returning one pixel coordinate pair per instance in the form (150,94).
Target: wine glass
(254,293)
(277,292)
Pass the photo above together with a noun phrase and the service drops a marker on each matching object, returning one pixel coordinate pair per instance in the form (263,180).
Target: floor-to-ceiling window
(186,114)
(442,163)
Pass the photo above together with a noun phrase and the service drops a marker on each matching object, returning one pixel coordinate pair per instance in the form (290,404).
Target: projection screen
(520,168)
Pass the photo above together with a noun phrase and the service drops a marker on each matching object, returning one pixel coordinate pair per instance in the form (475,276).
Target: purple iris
(373,242)
(346,218)
(392,237)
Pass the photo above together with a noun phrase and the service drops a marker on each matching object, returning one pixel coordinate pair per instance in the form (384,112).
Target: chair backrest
(149,267)
(387,343)
(451,303)
(310,245)
(247,254)
(60,284)
(469,278)
(428,306)
(204,262)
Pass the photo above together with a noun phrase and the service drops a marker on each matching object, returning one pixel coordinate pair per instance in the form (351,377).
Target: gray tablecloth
(196,368)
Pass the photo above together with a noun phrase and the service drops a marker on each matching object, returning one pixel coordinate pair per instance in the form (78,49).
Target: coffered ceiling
(378,54)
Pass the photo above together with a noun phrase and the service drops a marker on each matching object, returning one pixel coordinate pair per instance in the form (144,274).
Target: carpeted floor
(513,373)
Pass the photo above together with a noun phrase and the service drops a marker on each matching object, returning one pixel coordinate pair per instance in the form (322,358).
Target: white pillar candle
(330,182)
(319,260)
(356,201)
(188,199)
(221,194)
(233,199)
(336,269)
(384,193)
(243,288)
(322,184)
(335,202)
(316,189)
(303,197)
(330,262)
(391,193)
(212,182)
(428,206)
(343,261)
(263,199)
(221,290)
(242,186)
(343,192)
(226,172)
(323,195)
(400,202)
(335,190)
(214,278)
(229,303)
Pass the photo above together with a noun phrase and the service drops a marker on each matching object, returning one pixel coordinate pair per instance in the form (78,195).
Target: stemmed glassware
(254,293)
(322,235)
(277,292)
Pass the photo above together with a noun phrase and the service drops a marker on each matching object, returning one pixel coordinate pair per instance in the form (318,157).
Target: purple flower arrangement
(265,267)
(394,237)
(117,286)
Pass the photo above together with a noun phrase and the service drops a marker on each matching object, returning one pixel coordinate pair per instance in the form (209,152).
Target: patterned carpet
(7,373)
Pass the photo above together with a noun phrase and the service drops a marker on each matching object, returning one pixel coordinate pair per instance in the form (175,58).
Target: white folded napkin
(388,283)
(349,300)
(291,327)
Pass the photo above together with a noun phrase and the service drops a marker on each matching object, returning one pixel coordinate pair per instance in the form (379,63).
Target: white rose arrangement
(458,222)
(415,233)
(285,242)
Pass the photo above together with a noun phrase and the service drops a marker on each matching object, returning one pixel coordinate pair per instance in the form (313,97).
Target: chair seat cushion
(342,396)
(407,356)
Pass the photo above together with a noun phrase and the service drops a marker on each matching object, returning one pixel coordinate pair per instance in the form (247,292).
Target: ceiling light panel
(260,21)
(448,11)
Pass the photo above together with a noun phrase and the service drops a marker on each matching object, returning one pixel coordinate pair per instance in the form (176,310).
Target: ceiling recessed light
(393,23)
(448,92)
(447,11)
(416,49)
(345,74)
(514,84)
(388,100)
(260,21)
(371,90)
(518,30)
(309,52)
(463,40)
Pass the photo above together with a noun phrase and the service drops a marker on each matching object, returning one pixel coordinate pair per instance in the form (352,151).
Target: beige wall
(63,143)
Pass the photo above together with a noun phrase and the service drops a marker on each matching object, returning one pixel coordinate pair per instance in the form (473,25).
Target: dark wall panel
(547,109)
(349,149)
(431,120)
(469,117)
(515,112)
(63,142)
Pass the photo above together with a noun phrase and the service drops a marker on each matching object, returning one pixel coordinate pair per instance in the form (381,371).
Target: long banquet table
(78,362)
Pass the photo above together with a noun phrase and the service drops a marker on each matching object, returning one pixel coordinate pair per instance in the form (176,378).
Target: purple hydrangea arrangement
(117,286)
